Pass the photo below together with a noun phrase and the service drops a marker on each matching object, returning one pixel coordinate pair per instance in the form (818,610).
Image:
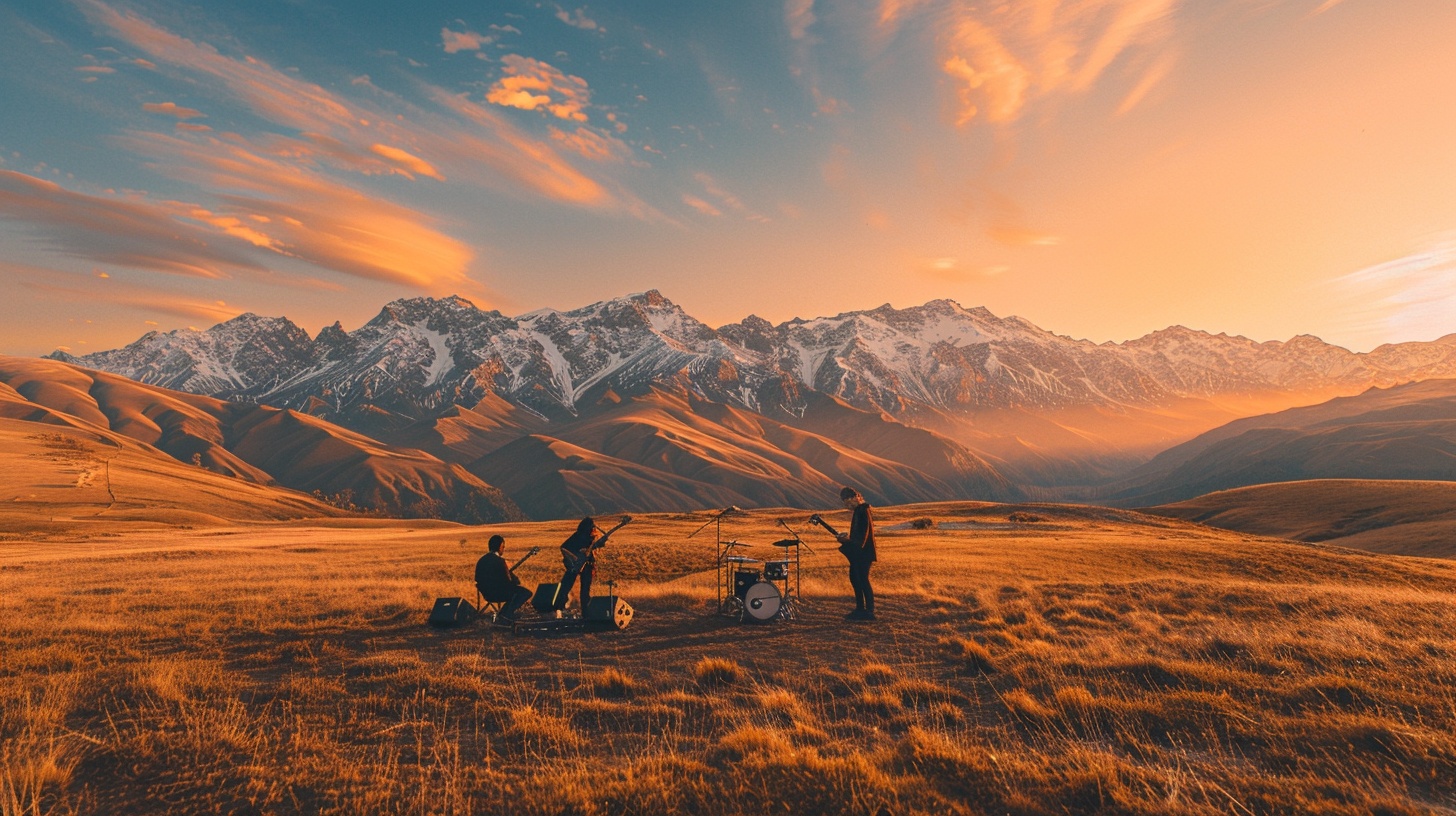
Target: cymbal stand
(721,568)
(793,600)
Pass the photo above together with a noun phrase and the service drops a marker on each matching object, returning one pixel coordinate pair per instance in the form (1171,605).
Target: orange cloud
(531,84)
(173,109)
(516,156)
(701,206)
(1003,57)
(483,148)
(192,128)
(131,232)
(590,144)
(305,215)
(412,163)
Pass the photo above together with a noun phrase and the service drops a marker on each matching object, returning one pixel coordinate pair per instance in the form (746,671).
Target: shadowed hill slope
(1403,432)
(1395,517)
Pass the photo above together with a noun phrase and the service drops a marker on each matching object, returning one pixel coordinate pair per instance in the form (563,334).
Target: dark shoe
(867,616)
(858,614)
(505,621)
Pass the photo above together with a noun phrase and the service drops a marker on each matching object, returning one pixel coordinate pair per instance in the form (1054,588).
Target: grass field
(1081,660)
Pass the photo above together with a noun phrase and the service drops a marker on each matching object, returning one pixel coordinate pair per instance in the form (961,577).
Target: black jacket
(861,545)
(493,577)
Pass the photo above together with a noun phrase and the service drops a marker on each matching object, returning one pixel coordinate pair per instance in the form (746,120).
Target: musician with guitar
(578,556)
(497,580)
(857,545)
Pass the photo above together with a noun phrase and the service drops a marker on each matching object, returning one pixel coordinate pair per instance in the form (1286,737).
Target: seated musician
(579,560)
(498,583)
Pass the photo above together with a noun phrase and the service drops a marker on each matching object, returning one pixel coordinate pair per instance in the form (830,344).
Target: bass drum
(762,602)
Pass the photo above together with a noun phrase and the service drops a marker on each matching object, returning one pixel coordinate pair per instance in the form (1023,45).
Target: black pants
(859,578)
(518,598)
(569,578)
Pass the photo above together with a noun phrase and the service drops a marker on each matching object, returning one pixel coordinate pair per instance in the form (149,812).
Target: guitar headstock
(815,518)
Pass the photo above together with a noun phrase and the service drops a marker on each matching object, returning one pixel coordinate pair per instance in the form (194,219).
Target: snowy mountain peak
(422,355)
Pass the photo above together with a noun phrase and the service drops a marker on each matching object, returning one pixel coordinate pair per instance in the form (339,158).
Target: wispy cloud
(723,200)
(407,161)
(1410,298)
(592,144)
(1003,57)
(126,231)
(577,19)
(530,84)
(306,215)
(457,41)
(173,109)
(92,288)
(798,16)
(701,206)
(466,142)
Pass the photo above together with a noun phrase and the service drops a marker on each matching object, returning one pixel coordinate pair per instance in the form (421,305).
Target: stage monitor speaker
(545,598)
(450,612)
(610,609)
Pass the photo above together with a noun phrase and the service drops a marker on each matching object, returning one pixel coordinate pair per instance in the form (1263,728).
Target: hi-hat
(786,542)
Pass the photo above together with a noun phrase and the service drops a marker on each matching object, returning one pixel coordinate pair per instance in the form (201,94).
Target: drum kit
(759,590)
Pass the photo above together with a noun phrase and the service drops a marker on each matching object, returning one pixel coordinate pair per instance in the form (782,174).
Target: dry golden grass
(1095,660)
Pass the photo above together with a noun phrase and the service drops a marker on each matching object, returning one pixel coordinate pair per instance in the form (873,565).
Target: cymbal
(787,542)
(741,559)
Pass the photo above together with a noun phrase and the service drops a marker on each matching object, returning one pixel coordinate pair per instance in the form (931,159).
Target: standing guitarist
(497,580)
(578,555)
(858,545)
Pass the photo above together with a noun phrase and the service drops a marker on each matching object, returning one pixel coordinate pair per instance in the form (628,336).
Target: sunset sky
(1103,168)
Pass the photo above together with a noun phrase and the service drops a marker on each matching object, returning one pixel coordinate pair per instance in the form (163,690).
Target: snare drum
(776,570)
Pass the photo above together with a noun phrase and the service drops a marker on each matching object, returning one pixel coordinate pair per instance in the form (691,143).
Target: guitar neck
(525,558)
(822,523)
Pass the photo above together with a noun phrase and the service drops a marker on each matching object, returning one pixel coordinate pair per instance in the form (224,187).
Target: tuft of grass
(718,671)
(976,657)
(611,682)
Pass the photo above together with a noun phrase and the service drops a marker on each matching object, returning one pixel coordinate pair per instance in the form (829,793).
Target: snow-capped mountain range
(421,356)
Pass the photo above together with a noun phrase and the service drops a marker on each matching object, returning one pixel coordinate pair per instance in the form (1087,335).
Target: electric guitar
(845,548)
(580,560)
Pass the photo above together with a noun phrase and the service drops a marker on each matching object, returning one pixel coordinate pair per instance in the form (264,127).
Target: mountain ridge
(1046,409)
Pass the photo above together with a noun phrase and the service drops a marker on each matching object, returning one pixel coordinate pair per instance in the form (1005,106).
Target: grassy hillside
(1396,517)
(1074,660)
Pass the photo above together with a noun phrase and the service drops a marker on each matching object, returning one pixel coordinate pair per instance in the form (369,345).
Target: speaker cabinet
(545,598)
(610,610)
(449,612)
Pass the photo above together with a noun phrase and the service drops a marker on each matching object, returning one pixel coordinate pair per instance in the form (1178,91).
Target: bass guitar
(525,558)
(580,560)
(845,548)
